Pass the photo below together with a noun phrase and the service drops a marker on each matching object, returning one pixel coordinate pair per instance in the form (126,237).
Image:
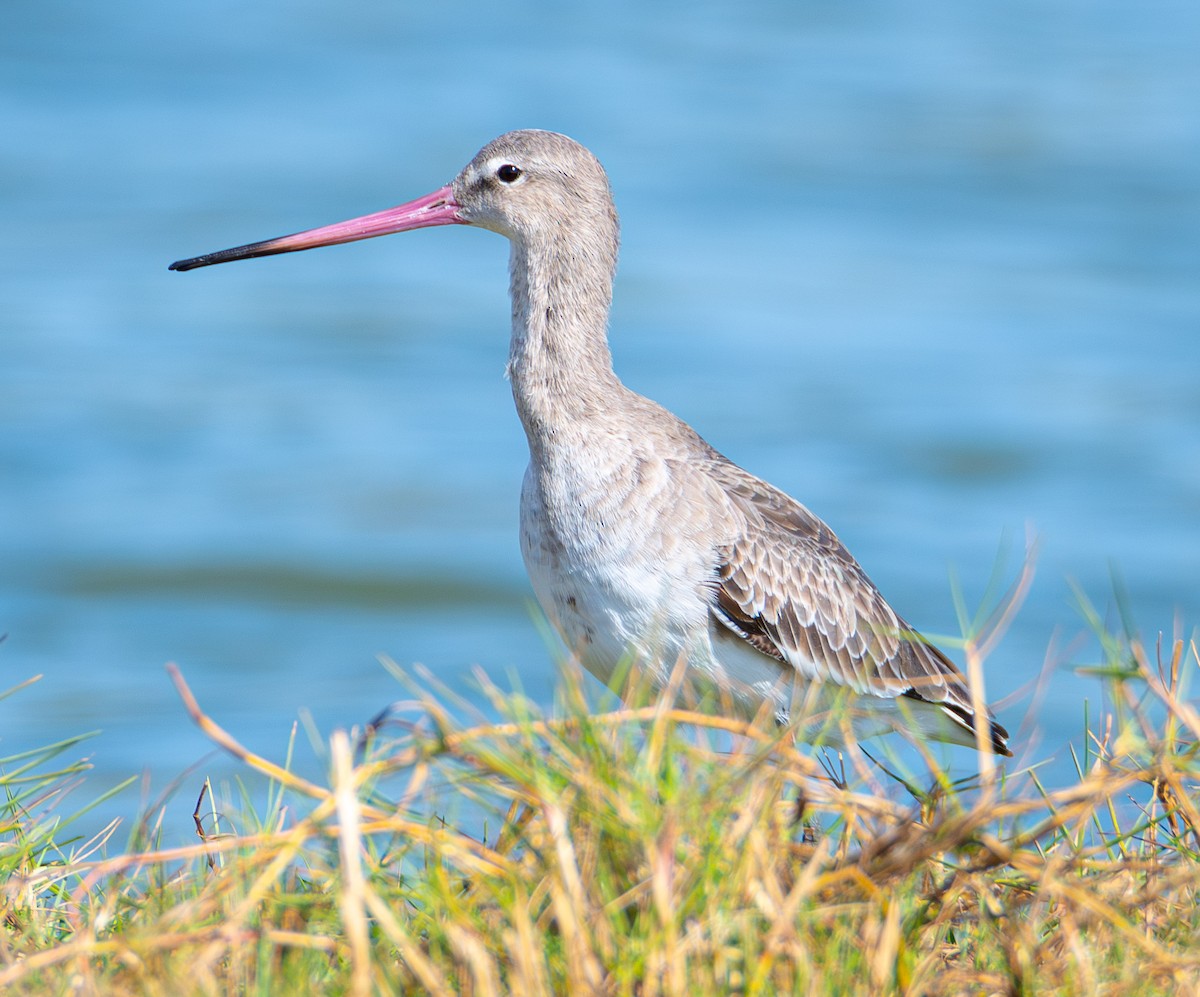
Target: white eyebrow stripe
(494,164)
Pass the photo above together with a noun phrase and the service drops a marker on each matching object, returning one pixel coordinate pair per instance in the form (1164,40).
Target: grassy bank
(631,851)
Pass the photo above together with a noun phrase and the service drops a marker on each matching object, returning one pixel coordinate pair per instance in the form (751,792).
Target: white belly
(615,597)
(605,600)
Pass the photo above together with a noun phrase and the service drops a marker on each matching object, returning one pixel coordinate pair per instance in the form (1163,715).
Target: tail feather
(965,726)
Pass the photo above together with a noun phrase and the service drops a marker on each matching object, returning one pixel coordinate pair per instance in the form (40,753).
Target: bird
(642,542)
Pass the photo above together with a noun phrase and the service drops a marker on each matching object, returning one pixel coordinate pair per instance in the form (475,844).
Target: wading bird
(641,539)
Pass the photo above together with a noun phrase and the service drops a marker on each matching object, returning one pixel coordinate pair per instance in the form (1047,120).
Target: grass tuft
(648,850)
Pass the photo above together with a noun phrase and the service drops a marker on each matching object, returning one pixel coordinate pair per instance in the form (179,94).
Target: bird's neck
(559,362)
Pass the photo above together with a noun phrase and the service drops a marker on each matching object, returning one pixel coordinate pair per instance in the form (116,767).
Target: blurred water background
(931,268)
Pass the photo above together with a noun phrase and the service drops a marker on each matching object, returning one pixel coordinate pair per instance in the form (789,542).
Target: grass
(639,851)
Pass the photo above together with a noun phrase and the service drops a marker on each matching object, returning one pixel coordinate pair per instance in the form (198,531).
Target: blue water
(931,268)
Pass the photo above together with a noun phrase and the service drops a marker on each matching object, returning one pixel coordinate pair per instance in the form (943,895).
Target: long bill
(438,208)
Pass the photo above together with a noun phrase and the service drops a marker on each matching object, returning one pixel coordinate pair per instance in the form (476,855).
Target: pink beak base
(437,208)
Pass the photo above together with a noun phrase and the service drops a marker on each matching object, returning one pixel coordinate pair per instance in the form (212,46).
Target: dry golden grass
(622,852)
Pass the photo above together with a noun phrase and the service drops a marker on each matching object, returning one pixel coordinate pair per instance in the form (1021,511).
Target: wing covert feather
(788,586)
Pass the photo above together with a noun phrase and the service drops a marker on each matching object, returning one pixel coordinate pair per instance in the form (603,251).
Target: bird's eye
(508,173)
